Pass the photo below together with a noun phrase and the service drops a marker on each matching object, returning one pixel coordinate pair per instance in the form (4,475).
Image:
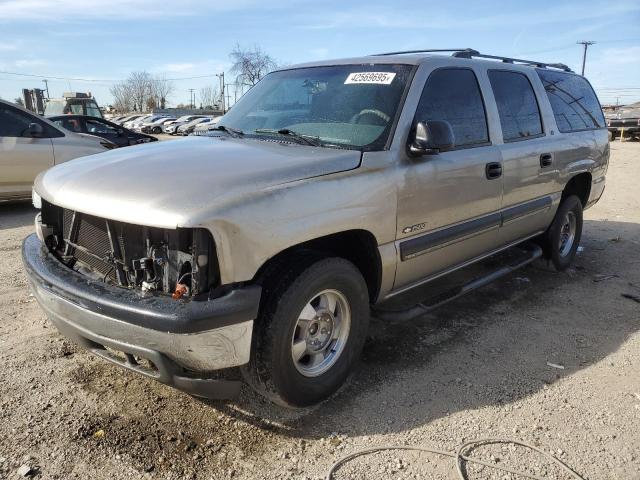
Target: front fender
(251,230)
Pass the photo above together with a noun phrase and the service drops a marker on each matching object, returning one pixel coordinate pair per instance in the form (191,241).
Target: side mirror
(35,130)
(120,132)
(431,137)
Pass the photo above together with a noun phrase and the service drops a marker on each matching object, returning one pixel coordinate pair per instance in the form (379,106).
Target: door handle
(493,170)
(546,160)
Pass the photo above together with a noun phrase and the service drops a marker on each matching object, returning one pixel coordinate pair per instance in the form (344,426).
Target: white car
(138,124)
(30,144)
(131,123)
(188,127)
(155,126)
(172,127)
(204,127)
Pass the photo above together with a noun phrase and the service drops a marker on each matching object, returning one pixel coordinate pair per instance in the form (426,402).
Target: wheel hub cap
(321,333)
(567,234)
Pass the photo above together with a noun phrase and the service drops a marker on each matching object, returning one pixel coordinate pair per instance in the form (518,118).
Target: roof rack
(436,50)
(471,53)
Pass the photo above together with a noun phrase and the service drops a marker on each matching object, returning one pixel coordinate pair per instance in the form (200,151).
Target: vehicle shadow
(492,347)
(16,214)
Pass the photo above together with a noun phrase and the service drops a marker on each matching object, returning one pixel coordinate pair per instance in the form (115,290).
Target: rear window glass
(517,105)
(573,101)
(453,95)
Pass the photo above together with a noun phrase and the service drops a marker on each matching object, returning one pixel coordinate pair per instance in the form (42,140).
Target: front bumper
(179,343)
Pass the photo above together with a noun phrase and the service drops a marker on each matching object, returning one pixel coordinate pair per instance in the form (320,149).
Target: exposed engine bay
(181,262)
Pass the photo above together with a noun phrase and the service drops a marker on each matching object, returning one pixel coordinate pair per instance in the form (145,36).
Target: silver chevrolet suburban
(328,189)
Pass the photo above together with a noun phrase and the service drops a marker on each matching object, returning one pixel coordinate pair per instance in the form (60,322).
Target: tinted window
(72,124)
(14,123)
(573,101)
(94,126)
(517,105)
(453,95)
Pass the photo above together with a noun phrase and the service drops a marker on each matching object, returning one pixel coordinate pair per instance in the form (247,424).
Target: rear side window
(453,95)
(573,101)
(517,105)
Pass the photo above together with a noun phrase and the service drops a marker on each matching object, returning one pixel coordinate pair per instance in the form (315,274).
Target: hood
(170,184)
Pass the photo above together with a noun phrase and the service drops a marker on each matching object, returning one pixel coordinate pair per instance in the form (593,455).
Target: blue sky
(104,40)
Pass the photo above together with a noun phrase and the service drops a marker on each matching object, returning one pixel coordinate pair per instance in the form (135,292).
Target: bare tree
(162,88)
(209,96)
(141,89)
(122,98)
(250,65)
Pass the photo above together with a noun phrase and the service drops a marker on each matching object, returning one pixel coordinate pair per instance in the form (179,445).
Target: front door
(22,157)
(449,202)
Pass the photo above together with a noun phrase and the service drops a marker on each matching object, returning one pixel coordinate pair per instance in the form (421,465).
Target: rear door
(448,203)
(529,162)
(22,157)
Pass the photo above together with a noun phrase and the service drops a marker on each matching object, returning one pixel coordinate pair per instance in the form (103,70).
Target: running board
(530,252)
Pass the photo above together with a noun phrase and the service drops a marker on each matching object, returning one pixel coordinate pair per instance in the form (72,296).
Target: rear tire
(310,331)
(560,242)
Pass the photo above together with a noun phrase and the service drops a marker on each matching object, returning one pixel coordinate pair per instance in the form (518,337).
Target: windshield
(54,107)
(353,106)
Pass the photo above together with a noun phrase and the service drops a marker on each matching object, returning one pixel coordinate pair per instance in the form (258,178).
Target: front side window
(71,124)
(93,126)
(349,106)
(517,105)
(453,95)
(573,101)
(13,123)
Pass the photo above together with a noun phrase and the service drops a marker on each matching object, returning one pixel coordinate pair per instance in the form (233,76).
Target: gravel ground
(478,367)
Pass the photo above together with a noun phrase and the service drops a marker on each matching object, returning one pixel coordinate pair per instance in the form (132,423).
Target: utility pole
(46,86)
(228,94)
(586,44)
(221,77)
(191,99)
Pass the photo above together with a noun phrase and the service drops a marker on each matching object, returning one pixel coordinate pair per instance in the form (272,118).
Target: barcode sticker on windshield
(379,78)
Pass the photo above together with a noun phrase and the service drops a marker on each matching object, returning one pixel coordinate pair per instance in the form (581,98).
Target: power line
(96,80)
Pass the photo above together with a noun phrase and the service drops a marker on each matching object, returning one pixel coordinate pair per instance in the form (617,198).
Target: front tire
(561,240)
(310,331)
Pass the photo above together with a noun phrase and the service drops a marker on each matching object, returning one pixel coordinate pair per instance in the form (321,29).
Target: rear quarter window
(573,101)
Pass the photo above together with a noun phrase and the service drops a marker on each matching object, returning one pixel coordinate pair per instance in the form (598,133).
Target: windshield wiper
(308,139)
(234,132)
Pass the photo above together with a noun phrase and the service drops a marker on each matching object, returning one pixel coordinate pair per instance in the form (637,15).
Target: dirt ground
(478,367)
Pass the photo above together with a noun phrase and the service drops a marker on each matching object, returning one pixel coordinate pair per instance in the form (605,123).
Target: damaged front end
(181,262)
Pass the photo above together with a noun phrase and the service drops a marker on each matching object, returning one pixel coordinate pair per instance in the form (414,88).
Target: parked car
(100,127)
(172,127)
(137,125)
(204,127)
(188,127)
(30,144)
(265,244)
(127,118)
(156,125)
(626,124)
(131,124)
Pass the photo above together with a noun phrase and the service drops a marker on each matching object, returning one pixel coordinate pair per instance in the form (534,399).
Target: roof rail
(471,53)
(436,50)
